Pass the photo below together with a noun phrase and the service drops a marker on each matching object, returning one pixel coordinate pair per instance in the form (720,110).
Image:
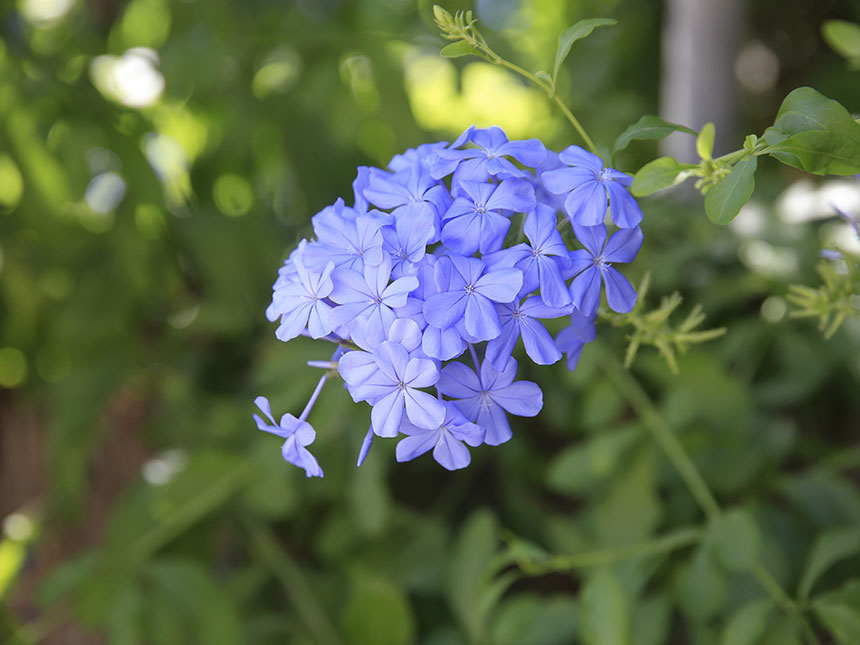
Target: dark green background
(144,343)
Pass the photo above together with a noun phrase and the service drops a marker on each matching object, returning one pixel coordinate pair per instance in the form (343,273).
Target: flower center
(470,289)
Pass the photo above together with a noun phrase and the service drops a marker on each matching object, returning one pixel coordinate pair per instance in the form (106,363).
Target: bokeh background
(159,159)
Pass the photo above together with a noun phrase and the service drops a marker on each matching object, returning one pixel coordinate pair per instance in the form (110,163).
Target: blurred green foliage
(141,227)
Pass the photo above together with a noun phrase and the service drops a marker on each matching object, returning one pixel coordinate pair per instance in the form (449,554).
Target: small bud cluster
(424,270)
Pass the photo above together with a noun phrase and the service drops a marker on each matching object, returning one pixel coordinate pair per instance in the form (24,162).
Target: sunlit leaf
(659,174)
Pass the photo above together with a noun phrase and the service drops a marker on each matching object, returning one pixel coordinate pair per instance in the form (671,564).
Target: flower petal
(387,413)
(450,452)
(424,410)
(620,294)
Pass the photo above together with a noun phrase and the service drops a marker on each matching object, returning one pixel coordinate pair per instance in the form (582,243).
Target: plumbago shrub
(457,254)
(425,289)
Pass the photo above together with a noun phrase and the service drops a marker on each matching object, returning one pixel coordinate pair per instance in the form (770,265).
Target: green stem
(657,546)
(663,435)
(668,442)
(773,588)
(546,87)
(294,583)
(733,157)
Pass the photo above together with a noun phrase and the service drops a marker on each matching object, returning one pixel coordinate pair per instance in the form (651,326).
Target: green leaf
(460,48)
(199,608)
(631,508)
(581,467)
(829,548)
(570,35)
(748,624)
(648,127)
(378,612)
(467,573)
(842,36)
(604,611)
(705,141)
(652,619)
(659,174)
(701,587)
(833,148)
(735,540)
(724,201)
(787,631)
(839,611)
(820,152)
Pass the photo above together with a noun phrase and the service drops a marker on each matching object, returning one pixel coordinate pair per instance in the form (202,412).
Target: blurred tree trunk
(700,38)
(25,479)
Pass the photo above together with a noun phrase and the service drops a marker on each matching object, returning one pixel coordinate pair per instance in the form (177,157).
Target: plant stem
(657,546)
(294,583)
(674,450)
(663,435)
(546,87)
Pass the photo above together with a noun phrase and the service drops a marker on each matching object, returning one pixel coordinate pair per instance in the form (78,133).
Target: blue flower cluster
(454,251)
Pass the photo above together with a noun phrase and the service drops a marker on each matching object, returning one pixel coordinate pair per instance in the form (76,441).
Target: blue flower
(417,272)
(574,337)
(424,155)
(298,300)
(406,242)
(469,295)
(485,400)
(521,320)
(476,222)
(298,434)
(347,239)
(368,296)
(410,192)
(594,264)
(446,440)
(488,159)
(589,186)
(390,379)
(543,261)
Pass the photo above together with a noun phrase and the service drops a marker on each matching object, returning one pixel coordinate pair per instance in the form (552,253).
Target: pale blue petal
(539,343)
(424,410)
(387,413)
(624,245)
(623,207)
(458,381)
(500,285)
(421,372)
(620,294)
(414,446)
(585,291)
(443,310)
(586,205)
(579,156)
(293,323)
(482,321)
(450,453)
(522,398)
